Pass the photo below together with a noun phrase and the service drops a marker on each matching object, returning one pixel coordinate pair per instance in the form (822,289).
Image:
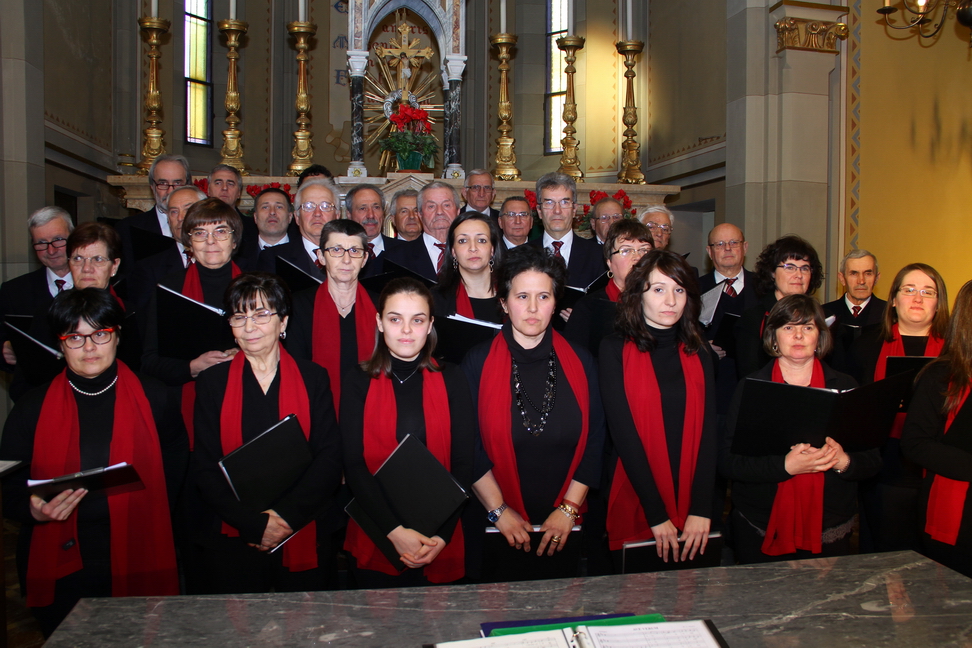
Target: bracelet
(844,469)
(575,506)
(569,511)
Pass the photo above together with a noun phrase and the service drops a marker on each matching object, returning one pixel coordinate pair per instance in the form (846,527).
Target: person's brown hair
(90,233)
(380,361)
(211,211)
(626,228)
(957,351)
(784,249)
(797,309)
(630,320)
(939,325)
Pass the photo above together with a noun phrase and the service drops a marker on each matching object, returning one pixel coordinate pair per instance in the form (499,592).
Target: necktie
(317,260)
(60,285)
(856,310)
(188,254)
(556,246)
(438,264)
(371,251)
(729,289)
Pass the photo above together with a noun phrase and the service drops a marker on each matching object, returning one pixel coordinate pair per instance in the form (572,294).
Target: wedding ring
(555,539)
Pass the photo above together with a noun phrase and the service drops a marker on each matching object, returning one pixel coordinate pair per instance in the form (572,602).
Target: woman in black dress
(937,436)
(402,391)
(540,421)
(804,503)
(657,386)
(467,280)
(237,401)
(787,266)
(94,414)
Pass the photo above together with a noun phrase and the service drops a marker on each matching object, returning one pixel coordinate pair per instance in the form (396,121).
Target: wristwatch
(495,514)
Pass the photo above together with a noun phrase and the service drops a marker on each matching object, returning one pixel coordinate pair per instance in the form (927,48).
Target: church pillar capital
(807,26)
(454,66)
(358,62)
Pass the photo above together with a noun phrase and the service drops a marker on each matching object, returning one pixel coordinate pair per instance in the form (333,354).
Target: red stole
(192,288)
(118,299)
(495,423)
(326,331)
(380,420)
(796,519)
(626,520)
(612,290)
(895,347)
(463,304)
(300,553)
(142,552)
(946,499)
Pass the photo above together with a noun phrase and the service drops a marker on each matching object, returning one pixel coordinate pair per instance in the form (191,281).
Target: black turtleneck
(214,282)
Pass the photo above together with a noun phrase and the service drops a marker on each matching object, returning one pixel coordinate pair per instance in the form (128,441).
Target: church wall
(909,201)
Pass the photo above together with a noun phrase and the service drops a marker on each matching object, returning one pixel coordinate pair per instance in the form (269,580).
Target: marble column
(358,64)
(454,67)
(780,139)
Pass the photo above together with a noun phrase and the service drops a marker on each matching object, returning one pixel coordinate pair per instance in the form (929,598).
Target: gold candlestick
(569,164)
(232,150)
(505,145)
(303,152)
(631,158)
(153,144)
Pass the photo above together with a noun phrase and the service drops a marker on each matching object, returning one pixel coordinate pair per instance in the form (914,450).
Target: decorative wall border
(854,129)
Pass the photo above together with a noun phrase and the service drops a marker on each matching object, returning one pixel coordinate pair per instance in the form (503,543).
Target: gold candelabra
(631,157)
(569,164)
(505,145)
(153,144)
(232,150)
(303,153)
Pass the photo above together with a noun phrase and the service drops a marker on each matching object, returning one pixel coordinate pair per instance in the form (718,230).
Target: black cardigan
(755,478)
(750,355)
(629,445)
(591,320)
(308,498)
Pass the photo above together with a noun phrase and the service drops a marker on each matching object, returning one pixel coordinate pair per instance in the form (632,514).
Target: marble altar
(892,599)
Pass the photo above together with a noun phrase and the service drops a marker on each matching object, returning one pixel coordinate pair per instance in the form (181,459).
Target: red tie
(556,246)
(856,310)
(729,289)
(438,264)
(60,285)
(371,251)
(188,254)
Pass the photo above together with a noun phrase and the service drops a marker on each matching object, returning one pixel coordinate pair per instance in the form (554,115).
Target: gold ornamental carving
(505,144)
(153,144)
(232,150)
(631,150)
(569,164)
(809,35)
(303,153)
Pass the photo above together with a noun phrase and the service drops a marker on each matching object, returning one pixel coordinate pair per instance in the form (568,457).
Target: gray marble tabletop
(893,599)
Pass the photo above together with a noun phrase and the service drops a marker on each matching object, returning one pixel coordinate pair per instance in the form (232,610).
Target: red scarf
(192,288)
(495,423)
(895,348)
(612,290)
(118,299)
(380,420)
(946,499)
(796,519)
(626,520)
(463,304)
(142,552)
(327,334)
(300,553)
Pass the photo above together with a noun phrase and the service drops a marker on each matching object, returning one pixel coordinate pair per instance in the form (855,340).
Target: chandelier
(922,14)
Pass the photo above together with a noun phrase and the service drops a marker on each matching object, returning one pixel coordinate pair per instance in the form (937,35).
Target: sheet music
(710,301)
(676,634)
(218,311)
(477,322)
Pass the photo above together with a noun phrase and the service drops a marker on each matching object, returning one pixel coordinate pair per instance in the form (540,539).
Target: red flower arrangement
(203,184)
(620,196)
(254,189)
(411,139)
(411,119)
(531,197)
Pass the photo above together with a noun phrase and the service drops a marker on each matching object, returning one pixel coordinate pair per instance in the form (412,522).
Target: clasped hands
(804,459)
(276,532)
(416,550)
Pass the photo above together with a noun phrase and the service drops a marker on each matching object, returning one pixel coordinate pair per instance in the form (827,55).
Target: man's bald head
(727,248)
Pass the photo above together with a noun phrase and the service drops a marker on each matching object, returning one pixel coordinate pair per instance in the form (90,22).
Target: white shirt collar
(737,285)
(51,278)
(379,244)
(311,248)
(263,244)
(567,240)
(163,222)
(509,244)
(851,305)
(430,246)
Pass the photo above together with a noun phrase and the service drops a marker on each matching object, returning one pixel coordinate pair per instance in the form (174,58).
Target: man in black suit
(30,293)
(316,204)
(167,173)
(478,192)
(557,204)
(150,271)
(273,217)
(226,183)
(858,308)
(516,221)
(405,215)
(438,204)
(366,206)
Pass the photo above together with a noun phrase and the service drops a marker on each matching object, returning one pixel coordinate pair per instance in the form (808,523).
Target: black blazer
(146,220)
(376,266)
(248,255)
(149,272)
(586,261)
(846,329)
(492,213)
(734,305)
(414,256)
(23,295)
(292,251)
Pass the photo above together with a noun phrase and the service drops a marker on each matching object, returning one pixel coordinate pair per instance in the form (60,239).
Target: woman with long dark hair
(657,386)
(402,391)
(937,436)
(467,280)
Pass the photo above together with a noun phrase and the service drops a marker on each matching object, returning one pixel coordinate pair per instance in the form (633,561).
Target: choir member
(804,503)
(236,402)
(94,414)
(467,281)
(402,391)
(657,385)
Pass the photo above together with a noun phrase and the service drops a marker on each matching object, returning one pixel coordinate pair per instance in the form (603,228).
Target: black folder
(905,364)
(146,243)
(263,469)
(419,490)
(573,293)
(775,416)
(725,337)
(110,480)
(38,361)
(295,278)
(456,337)
(638,557)
(512,564)
(187,328)
(392,270)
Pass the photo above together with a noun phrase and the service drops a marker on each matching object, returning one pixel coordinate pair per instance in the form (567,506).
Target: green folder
(615,621)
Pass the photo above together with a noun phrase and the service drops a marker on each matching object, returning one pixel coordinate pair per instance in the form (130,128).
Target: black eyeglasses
(41,246)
